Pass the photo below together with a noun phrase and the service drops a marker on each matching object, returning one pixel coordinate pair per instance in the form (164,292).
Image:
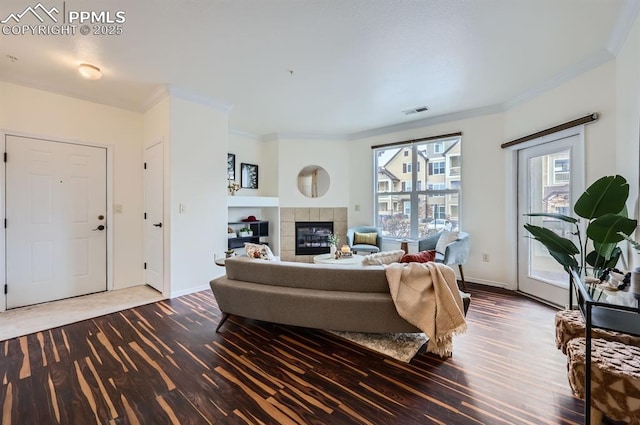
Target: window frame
(418,195)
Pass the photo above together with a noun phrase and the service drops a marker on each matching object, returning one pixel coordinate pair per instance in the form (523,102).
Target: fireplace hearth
(312,237)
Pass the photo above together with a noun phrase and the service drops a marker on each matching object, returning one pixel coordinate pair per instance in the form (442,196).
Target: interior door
(549,177)
(56,219)
(154,216)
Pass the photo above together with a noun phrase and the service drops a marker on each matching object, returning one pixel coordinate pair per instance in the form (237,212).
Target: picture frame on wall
(231,166)
(248,176)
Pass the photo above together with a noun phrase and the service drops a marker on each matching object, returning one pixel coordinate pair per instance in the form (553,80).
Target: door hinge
(145,216)
(6,289)
(145,165)
(145,266)
(5,157)
(5,223)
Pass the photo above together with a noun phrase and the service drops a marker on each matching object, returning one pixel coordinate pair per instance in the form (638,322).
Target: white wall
(198,174)
(593,91)
(483,185)
(332,155)
(43,114)
(628,121)
(488,180)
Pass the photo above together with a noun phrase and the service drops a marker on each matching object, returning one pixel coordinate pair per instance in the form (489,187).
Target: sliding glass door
(550,174)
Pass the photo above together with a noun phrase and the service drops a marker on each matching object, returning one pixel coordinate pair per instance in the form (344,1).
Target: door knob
(158,224)
(100,227)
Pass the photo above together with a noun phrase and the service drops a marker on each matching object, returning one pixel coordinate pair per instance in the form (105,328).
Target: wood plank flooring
(162,363)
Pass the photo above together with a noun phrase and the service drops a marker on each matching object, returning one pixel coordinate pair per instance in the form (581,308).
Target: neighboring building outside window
(424,179)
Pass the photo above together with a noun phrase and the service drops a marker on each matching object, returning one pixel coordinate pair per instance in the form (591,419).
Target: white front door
(154,217)
(550,176)
(56,244)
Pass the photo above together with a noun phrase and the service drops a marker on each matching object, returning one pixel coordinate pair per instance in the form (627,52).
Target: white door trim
(577,183)
(109,149)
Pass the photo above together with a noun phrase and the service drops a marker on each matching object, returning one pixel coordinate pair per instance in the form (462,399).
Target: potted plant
(245,232)
(603,205)
(333,240)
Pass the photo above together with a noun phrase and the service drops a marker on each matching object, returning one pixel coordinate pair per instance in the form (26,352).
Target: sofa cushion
(419,257)
(365,238)
(445,239)
(386,257)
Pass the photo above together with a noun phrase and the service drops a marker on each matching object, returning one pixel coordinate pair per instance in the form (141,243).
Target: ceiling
(325,67)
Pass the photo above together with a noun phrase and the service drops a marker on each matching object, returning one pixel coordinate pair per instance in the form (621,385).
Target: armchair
(455,252)
(364,247)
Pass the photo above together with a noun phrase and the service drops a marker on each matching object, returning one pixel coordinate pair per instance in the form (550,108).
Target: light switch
(182,208)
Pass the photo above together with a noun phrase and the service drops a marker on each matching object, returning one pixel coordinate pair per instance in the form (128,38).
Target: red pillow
(420,257)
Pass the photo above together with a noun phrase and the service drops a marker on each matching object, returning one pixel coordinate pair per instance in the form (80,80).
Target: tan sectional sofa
(321,296)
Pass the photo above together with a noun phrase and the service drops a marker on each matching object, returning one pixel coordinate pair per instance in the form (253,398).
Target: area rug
(400,346)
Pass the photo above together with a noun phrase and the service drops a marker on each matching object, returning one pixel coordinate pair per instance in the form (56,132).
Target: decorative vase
(332,250)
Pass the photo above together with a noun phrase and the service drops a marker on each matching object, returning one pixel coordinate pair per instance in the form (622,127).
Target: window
(424,185)
(436,168)
(561,171)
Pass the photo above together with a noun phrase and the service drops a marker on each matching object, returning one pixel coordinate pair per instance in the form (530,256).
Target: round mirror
(313,181)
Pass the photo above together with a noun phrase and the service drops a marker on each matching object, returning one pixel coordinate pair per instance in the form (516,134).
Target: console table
(615,311)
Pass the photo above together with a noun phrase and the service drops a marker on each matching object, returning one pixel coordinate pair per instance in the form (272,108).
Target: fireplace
(311,237)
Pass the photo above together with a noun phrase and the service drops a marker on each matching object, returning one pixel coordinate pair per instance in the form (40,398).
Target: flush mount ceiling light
(90,72)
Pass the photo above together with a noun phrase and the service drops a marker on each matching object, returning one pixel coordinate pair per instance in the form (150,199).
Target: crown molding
(313,136)
(245,134)
(190,96)
(426,122)
(158,94)
(272,137)
(626,18)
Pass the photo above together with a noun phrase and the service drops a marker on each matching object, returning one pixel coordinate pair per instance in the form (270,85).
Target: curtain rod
(584,120)
(422,139)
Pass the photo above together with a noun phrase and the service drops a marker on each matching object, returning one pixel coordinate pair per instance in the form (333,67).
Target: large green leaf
(604,250)
(565,260)
(554,215)
(606,195)
(552,240)
(599,262)
(607,228)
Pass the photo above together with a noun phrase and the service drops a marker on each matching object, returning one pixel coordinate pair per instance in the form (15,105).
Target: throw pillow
(446,238)
(420,257)
(379,258)
(259,251)
(365,238)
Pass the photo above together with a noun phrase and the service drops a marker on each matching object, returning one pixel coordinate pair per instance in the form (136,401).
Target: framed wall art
(248,176)
(231,166)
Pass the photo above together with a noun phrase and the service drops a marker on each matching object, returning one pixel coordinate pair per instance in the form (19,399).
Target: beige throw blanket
(426,295)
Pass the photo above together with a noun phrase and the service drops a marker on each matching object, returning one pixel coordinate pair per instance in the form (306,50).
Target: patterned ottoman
(570,324)
(615,378)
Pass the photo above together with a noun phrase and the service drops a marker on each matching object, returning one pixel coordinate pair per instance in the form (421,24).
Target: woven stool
(570,324)
(615,378)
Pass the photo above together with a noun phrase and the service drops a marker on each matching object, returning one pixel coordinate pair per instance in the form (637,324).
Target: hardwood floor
(162,363)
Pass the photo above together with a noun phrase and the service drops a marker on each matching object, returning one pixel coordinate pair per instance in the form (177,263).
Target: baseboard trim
(188,291)
(490,283)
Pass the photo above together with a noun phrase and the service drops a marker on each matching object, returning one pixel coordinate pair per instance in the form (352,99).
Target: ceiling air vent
(415,110)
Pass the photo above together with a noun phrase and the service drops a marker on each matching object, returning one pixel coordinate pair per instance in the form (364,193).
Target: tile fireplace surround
(288,217)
